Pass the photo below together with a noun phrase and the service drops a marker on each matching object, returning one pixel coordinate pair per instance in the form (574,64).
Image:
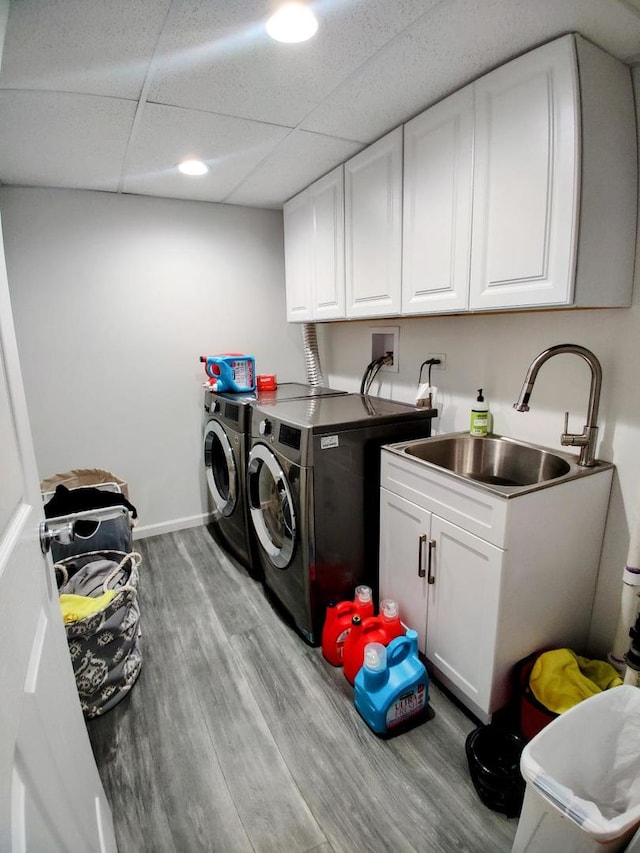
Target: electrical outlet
(443,360)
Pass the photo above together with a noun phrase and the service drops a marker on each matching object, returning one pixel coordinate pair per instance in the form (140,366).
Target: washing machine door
(271,506)
(221,468)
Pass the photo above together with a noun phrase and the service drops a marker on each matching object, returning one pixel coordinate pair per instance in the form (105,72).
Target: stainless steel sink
(501,465)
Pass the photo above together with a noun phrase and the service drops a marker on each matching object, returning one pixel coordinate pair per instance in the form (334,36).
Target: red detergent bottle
(390,615)
(370,630)
(374,629)
(337,623)
(363,600)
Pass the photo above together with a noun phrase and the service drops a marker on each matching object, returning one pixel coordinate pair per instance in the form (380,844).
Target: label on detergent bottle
(243,372)
(340,643)
(406,706)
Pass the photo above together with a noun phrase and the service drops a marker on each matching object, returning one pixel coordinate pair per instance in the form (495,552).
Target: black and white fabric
(91,534)
(105,647)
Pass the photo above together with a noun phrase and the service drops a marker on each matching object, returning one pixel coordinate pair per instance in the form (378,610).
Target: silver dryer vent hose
(311,355)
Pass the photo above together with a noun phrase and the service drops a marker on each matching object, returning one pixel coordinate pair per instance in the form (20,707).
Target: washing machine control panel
(264,427)
(290,436)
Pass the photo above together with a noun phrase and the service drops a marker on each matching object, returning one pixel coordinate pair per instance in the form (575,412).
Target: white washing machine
(227,429)
(313,479)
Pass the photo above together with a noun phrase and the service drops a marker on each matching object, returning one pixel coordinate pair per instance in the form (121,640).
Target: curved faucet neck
(586,441)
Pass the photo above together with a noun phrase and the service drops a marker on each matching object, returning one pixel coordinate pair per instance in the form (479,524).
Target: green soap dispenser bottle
(479,417)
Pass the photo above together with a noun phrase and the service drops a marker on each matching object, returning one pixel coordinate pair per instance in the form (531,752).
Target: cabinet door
(463,609)
(438,152)
(373,228)
(404,534)
(526,180)
(298,238)
(327,275)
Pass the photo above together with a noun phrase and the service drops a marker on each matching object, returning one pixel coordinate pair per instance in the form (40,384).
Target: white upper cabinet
(298,237)
(517,192)
(438,173)
(554,178)
(327,273)
(373,228)
(526,180)
(314,251)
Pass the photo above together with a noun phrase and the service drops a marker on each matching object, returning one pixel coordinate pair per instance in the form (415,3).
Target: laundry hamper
(73,497)
(105,645)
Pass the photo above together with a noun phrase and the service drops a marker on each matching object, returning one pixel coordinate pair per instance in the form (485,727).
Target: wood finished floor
(240,737)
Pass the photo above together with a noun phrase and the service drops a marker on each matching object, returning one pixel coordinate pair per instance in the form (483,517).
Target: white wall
(114,299)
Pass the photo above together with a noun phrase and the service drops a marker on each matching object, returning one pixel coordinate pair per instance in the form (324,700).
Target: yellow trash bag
(561,678)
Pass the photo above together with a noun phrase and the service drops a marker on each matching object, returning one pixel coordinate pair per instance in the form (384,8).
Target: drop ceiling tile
(217,57)
(454,44)
(100,47)
(293,165)
(382,95)
(51,139)
(231,147)
(495,31)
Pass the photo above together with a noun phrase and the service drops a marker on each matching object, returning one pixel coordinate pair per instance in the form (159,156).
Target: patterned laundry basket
(104,646)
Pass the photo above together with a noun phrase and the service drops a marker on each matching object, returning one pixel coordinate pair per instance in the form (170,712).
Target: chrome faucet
(588,437)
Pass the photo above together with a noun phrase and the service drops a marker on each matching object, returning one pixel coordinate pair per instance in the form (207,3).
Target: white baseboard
(146,530)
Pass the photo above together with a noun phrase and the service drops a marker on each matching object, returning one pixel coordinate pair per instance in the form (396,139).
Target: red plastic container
(374,629)
(266,382)
(363,599)
(337,623)
(390,615)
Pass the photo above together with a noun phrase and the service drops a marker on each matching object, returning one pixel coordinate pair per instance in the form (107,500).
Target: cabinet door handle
(431,547)
(421,570)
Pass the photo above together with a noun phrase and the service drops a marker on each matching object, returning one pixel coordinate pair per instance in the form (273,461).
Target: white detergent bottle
(479,425)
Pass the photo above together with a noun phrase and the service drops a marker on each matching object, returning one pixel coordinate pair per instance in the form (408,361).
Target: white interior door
(51,797)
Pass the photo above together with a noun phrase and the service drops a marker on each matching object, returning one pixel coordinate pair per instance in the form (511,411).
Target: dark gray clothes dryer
(313,480)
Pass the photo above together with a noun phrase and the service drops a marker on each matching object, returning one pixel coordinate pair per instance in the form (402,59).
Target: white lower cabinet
(485,580)
(454,572)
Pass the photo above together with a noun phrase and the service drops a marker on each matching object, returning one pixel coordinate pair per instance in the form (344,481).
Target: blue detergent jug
(392,687)
(230,371)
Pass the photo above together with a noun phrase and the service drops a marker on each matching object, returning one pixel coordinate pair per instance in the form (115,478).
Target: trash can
(582,775)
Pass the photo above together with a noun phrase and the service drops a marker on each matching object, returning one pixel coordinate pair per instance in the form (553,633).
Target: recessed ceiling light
(293,22)
(193,167)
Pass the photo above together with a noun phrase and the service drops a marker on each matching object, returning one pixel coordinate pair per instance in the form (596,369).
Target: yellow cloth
(75,607)
(561,678)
